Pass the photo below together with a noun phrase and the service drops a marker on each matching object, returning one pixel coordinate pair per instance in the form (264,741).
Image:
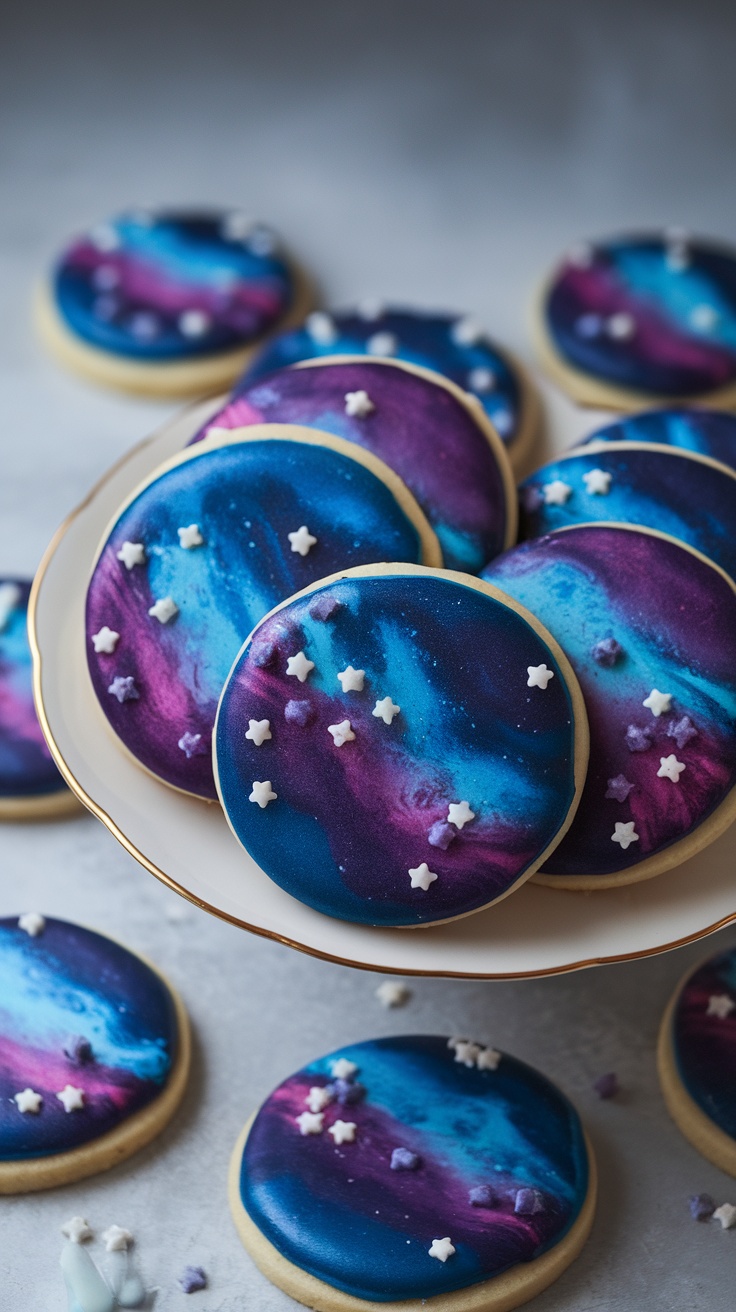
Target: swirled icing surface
(706,432)
(26,767)
(171,285)
(416,425)
(244,499)
(345,1216)
(635,613)
(667,490)
(58,988)
(651,313)
(704,1039)
(444,715)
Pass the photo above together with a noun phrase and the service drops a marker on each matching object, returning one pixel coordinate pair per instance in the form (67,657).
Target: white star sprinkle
(703,318)
(236,226)
(194,323)
(621,326)
(382,344)
(190,536)
(421,876)
(299,666)
(318,1098)
(9,598)
(670,768)
(28,1101)
(597,482)
(720,1005)
(386,710)
(341,733)
(625,834)
(466,332)
(262,793)
(481,379)
(392,994)
(488,1059)
(726,1214)
(77,1229)
(321,328)
(539,676)
(658,702)
(556,493)
(351,680)
(358,404)
(467,1053)
(32,923)
(343,1068)
(106,640)
(71,1099)
(459,814)
(258,731)
(302,540)
(164,609)
(372,307)
(442,1248)
(343,1131)
(132,553)
(116,1239)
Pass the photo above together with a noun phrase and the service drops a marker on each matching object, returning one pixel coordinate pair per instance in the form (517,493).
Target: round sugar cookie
(94,1053)
(642,317)
(414,1173)
(168,302)
(704,432)
(649,626)
(30,784)
(451,344)
(400,746)
(688,496)
(429,431)
(198,555)
(696,1058)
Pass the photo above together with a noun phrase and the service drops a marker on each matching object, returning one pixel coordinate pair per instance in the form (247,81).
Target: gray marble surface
(431,152)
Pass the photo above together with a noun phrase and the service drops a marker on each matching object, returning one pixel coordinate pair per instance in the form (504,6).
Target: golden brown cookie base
(48,806)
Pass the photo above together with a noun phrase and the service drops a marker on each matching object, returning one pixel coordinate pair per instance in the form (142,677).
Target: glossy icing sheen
(674,617)
(351,821)
(679,299)
(168,285)
(670,491)
(417,426)
(66,984)
(705,1045)
(26,767)
(343,1215)
(245,498)
(436,341)
(706,432)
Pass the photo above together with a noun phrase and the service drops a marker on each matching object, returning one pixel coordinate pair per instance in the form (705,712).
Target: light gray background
(426,151)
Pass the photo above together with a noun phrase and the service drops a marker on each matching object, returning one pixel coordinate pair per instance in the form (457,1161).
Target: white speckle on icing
(658,702)
(539,676)
(726,1214)
(116,1239)
(104,237)
(236,226)
(164,609)
(106,640)
(145,326)
(77,1229)
(459,814)
(581,256)
(343,1068)
(670,768)
(32,923)
(71,1098)
(481,379)
(720,1005)
(441,1248)
(343,1131)
(132,553)
(194,323)
(382,344)
(321,328)
(351,680)
(358,404)
(620,326)
(299,666)
(703,318)
(466,332)
(386,710)
(392,994)
(262,793)
(318,1098)
(556,493)
(341,733)
(503,422)
(589,326)
(302,540)
(9,598)
(190,536)
(258,731)
(371,308)
(624,834)
(421,876)
(28,1102)
(262,241)
(310,1122)
(597,482)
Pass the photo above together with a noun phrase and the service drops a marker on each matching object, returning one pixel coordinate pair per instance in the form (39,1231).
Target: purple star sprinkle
(191,744)
(347,1091)
(638,740)
(441,835)
(78,1049)
(606,652)
(144,326)
(607,1086)
(528,1202)
(191,1279)
(482,1196)
(701,1207)
(531,498)
(296,712)
(123,687)
(403,1159)
(682,730)
(263,652)
(324,607)
(618,788)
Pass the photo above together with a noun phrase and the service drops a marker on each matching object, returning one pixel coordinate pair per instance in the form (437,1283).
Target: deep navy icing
(704,1044)
(26,767)
(706,432)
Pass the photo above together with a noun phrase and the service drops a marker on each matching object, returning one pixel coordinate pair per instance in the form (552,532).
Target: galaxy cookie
(30,784)
(400,746)
(645,317)
(703,432)
(198,555)
(453,345)
(168,302)
(94,1053)
(424,427)
(690,497)
(649,627)
(697,1059)
(410,1171)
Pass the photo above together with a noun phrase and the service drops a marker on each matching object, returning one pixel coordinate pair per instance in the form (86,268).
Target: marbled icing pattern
(649,313)
(26,767)
(343,1215)
(351,821)
(705,432)
(417,426)
(245,497)
(705,1045)
(170,285)
(674,618)
(664,489)
(67,983)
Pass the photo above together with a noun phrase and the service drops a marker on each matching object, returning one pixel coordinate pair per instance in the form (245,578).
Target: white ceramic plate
(188,845)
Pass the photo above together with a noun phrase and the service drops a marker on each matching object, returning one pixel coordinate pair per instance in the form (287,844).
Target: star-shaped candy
(341,733)
(32,923)
(299,666)
(720,1005)
(539,676)
(384,344)
(321,328)
(670,768)
(392,994)
(682,731)
(262,793)
(310,1122)
(621,326)
(164,609)
(459,814)
(123,687)
(726,1214)
(191,745)
(258,731)
(71,1098)
(9,598)
(386,710)
(351,680)
(116,1239)
(467,1053)
(343,1068)
(105,641)
(421,876)
(358,404)
(442,1248)
(466,331)
(597,482)
(302,540)
(618,788)
(624,834)
(77,1229)
(318,1098)
(704,318)
(132,553)
(343,1131)
(658,702)
(190,537)
(28,1101)
(556,493)
(488,1059)
(481,379)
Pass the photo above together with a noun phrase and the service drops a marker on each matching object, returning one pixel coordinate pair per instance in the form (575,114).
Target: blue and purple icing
(416,774)
(649,313)
(77,1010)
(438,445)
(662,488)
(212,537)
(26,767)
(160,286)
(704,1039)
(493,1157)
(704,432)
(650,631)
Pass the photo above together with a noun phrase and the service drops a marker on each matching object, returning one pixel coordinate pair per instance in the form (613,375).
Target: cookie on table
(30,784)
(168,302)
(423,426)
(451,344)
(642,318)
(704,432)
(94,1053)
(414,1172)
(696,1058)
(649,627)
(688,496)
(213,540)
(400,746)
